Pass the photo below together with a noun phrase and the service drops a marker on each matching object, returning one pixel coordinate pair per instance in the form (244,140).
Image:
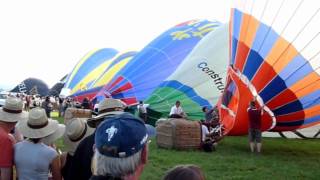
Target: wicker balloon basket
(179,134)
(77,113)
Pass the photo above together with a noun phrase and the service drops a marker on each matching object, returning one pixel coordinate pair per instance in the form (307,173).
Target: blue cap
(121,135)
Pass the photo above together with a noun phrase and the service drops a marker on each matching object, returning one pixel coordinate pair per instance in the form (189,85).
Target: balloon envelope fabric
(199,80)
(158,60)
(114,65)
(87,70)
(274,58)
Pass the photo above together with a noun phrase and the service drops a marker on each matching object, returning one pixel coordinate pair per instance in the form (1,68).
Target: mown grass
(280,159)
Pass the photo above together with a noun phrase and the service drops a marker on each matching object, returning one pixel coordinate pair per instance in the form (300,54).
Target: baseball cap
(121,135)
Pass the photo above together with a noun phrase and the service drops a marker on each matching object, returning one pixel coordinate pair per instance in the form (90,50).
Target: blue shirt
(33,160)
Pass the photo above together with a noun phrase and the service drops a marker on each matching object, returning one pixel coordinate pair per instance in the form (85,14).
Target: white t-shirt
(176,110)
(33,160)
(142,108)
(205,132)
(96,106)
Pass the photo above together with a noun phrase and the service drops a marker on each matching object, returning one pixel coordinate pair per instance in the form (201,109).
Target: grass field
(280,159)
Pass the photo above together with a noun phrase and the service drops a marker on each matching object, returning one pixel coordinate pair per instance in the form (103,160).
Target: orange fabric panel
(309,125)
(306,81)
(227,121)
(308,84)
(249,26)
(240,126)
(281,50)
(309,89)
(280,55)
(252,30)
(305,114)
(244,27)
(289,54)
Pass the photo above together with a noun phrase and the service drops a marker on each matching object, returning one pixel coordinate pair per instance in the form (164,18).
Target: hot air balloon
(274,58)
(154,63)
(90,67)
(96,90)
(56,88)
(32,86)
(198,81)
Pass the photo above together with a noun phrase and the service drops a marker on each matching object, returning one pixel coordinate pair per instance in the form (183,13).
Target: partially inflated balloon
(274,59)
(199,80)
(158,60)
(32,86)
(100,86)
(90,67)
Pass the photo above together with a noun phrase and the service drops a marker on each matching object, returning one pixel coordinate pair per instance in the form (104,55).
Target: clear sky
(45,39)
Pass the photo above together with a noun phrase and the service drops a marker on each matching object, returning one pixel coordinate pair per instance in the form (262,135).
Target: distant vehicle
(3,97)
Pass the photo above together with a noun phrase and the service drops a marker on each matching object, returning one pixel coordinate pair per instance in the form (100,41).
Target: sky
(45,39)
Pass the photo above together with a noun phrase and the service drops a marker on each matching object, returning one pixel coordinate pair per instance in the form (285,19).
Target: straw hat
(12,110)
(48,140)
(76,130)
(107,107)
(38,125)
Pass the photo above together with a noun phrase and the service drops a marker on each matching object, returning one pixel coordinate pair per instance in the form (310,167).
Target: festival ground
(280,159)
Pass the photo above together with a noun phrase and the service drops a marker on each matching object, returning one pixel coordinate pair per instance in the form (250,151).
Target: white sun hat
(12,110)
(76,130)
(38,125)
(48,140)
(107,107)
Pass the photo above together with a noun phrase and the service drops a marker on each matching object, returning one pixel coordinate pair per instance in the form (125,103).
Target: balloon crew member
(177,111)
(254,114)
(142,109)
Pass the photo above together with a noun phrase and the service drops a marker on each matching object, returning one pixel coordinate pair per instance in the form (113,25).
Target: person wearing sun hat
(10,114)
(107,107)
(32,158)
(76,130)
(80,166)
(52,138)
(120,148)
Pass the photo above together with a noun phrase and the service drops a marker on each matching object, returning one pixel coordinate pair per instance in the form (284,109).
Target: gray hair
(117,167)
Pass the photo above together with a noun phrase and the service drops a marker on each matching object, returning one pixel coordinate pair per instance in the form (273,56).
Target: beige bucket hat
(12,110)
(48,140)
(107,107)
(38,125)
(71,113)
(76,130)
